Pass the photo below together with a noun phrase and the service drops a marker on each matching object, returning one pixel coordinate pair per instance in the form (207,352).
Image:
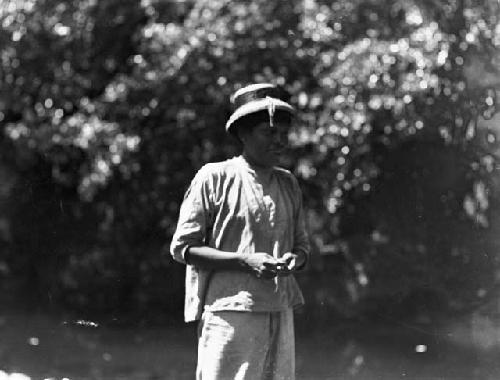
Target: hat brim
(257,106)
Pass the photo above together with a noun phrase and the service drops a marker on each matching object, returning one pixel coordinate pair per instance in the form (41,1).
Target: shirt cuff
(306,259)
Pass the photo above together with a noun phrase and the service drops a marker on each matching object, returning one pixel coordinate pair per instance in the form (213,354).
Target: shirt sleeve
(195,216)
(301,239)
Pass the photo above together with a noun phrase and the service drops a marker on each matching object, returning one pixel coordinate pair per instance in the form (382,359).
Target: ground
(38,346)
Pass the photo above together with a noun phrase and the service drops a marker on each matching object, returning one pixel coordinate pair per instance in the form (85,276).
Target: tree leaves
(125,100)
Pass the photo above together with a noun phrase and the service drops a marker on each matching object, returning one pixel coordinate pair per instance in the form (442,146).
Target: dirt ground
(36,346)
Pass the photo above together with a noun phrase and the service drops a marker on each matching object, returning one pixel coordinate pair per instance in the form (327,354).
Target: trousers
(234,345)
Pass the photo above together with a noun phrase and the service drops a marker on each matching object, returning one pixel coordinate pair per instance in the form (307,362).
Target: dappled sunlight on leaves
(388,142)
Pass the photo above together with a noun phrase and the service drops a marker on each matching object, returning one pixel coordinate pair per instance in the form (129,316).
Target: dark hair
(248,122)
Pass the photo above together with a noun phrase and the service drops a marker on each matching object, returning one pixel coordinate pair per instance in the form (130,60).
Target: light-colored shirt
(230,207)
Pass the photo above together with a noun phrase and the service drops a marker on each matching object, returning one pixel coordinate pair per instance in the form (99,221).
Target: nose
(279,137)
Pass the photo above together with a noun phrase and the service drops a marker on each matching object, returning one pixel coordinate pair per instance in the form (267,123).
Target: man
(241,232)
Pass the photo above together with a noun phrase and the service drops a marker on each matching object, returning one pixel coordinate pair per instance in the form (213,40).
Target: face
(263,144)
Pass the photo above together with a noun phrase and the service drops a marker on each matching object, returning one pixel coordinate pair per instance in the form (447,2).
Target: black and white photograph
(249,189)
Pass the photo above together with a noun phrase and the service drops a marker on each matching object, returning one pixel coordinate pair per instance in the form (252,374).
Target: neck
(263,172)
(254,164)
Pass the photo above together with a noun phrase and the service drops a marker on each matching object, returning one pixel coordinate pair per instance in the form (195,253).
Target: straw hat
(256,98)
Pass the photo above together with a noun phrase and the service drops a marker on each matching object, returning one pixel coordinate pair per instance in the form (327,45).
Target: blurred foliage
(108,108)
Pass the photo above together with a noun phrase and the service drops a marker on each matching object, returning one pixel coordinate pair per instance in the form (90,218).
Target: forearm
(260,264)
(211,258)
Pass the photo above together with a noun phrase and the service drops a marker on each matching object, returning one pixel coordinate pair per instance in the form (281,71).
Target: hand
(261,264)
(287,264)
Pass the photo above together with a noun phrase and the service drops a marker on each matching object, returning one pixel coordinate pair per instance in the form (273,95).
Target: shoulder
(215,171)
(285,175)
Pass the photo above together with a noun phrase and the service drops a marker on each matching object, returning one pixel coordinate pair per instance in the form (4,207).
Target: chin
(274,161)
(268,160)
